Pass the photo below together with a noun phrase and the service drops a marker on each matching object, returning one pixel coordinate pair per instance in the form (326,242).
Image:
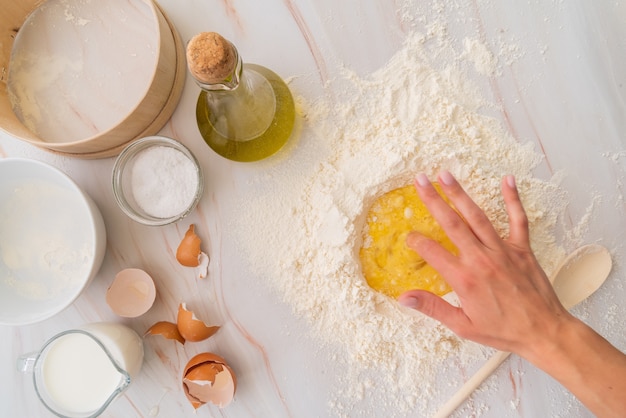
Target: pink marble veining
(309,39)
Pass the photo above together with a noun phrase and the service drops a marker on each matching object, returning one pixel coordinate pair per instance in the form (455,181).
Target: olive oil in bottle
(245,112)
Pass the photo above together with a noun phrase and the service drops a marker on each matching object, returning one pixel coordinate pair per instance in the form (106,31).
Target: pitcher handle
(26,362)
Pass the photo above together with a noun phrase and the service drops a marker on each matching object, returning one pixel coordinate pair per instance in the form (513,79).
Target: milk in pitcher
(83,370)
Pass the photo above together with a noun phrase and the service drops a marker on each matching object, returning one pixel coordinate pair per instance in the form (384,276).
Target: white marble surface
(565,91)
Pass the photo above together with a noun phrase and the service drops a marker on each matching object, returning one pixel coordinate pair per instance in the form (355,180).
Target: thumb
(433,306)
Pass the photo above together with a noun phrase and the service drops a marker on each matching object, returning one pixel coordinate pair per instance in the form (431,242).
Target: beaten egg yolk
(388,264)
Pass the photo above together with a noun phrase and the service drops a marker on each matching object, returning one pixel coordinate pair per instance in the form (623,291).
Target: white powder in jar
(164,181)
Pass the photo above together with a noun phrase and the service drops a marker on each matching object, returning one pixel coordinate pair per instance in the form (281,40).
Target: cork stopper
(210,57)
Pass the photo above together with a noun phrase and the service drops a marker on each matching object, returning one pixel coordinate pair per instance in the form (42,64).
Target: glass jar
(157,181)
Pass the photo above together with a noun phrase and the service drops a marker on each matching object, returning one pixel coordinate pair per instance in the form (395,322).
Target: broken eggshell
(207,378)
(167,330)
(132,293)
(191,328)
(190,254)
(187,327)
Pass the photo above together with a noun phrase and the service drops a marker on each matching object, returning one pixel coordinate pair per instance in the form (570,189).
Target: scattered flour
(577,233)
(477,52)
(374,134)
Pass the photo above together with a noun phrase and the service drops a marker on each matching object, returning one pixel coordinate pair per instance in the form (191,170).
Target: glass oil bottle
(245,112)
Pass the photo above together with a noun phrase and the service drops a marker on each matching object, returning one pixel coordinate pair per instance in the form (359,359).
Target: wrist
(586,364)
(555,343)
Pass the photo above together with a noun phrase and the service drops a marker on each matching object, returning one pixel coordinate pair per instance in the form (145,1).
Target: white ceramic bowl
(52,241)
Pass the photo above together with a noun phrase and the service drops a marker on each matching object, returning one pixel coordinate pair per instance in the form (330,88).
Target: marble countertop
(554,76)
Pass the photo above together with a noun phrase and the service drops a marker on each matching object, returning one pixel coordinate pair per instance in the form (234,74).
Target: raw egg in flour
(388,264)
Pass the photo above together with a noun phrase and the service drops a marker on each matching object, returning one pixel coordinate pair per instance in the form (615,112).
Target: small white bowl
(148,181)
(52,241)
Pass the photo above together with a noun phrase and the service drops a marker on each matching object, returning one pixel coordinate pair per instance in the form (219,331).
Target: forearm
(587,365)
(507,301)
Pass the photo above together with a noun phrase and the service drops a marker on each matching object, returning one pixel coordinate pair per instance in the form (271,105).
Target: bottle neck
(242,109)
(230,82)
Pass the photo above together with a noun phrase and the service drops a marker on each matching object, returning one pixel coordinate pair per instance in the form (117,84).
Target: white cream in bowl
(52,241)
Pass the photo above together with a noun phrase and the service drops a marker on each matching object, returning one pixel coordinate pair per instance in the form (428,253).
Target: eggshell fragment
(132,293)
(207,378)
(167,330)
(191,328)
(188,252)
(203,265)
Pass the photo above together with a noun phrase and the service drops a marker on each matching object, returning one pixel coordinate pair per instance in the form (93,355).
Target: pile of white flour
(374,134)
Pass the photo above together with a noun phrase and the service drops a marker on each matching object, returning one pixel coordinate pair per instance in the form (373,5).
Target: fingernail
(446,178)
(409,301)
(422,179)
(413,238)
(510,180)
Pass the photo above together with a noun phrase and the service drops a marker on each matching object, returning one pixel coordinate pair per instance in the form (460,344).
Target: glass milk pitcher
(78,373)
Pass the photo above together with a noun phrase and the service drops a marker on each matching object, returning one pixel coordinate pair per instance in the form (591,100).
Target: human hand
(507,301)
